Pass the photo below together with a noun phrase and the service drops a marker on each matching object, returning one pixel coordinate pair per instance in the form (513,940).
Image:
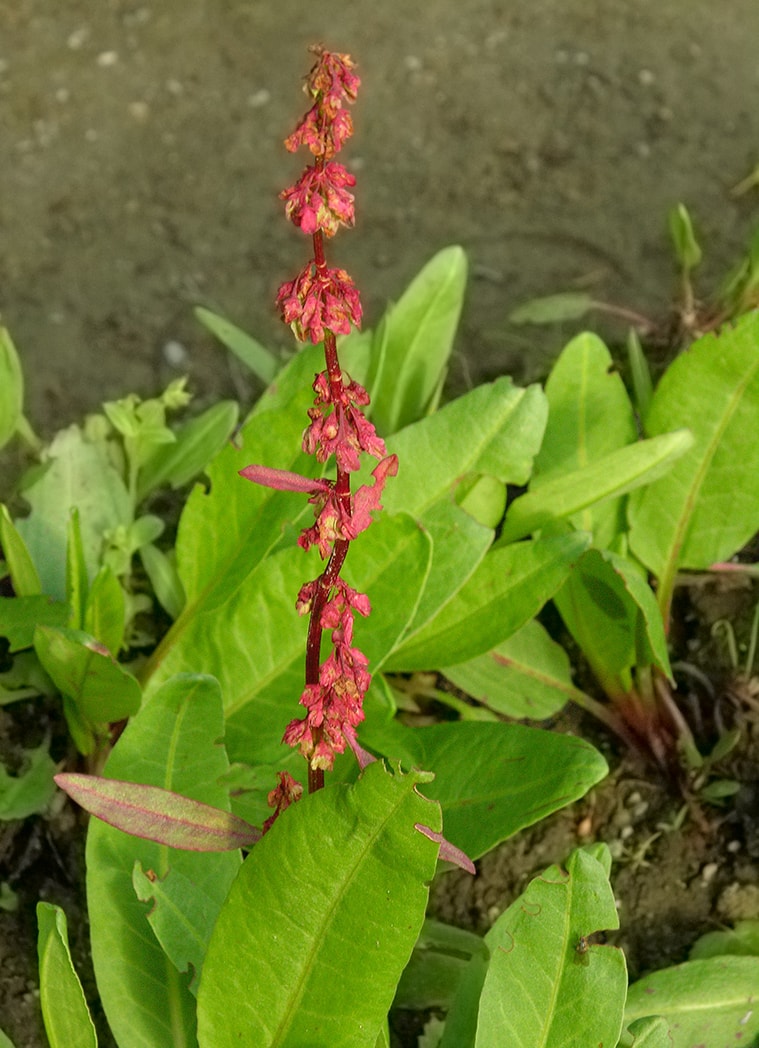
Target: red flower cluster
(334,703)
(321,299)
(339,427)
(320,200)
(319,304)
(318,301)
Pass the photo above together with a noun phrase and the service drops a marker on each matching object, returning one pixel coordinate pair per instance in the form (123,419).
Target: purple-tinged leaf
(159,815)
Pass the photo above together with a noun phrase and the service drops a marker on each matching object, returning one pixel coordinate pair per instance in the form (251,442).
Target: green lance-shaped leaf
(553,309)
(161,569)
(528,675)
(589,416)
(173,743)
(684,240)
(710,1003)
(85,671)
(11,388)
(261,361)
(414,341)
(322,919)
(24,576)
(5,1041)
(615,474)
(105,611)
(707,506)
(77,578)
(544,980)
(64,1009)
(508,588)
(158,815)
(491,779)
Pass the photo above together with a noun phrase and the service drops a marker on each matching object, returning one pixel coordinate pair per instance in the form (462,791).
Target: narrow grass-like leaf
(491,779)
(710,1002)
(261,361)
(613,475)
(77,579)
(322,920)
(158,815)
(413,342)
(64,1009)
(105,610)
(164,578)
(553,309)
(707,507)
(24,575)
(11,388)
(172,743)
(508,588)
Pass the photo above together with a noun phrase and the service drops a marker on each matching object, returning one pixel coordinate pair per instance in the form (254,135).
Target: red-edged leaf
(159,815)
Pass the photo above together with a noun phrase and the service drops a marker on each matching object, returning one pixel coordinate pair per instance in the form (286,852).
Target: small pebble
(107,58)
(175,354)
(76,39)
(139,111)
(259,98)
(646,77)
(734,847)
(625,833)
(709,872)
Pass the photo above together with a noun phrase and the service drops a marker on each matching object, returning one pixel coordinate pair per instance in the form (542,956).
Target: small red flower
(286,792)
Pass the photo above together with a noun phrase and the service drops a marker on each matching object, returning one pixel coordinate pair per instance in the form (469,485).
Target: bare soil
(142,161)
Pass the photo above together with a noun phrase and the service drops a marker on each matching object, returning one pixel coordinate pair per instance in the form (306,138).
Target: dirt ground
(142,149)
(142,156)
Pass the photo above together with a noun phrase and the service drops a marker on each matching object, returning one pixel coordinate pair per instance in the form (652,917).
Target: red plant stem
(343,491)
